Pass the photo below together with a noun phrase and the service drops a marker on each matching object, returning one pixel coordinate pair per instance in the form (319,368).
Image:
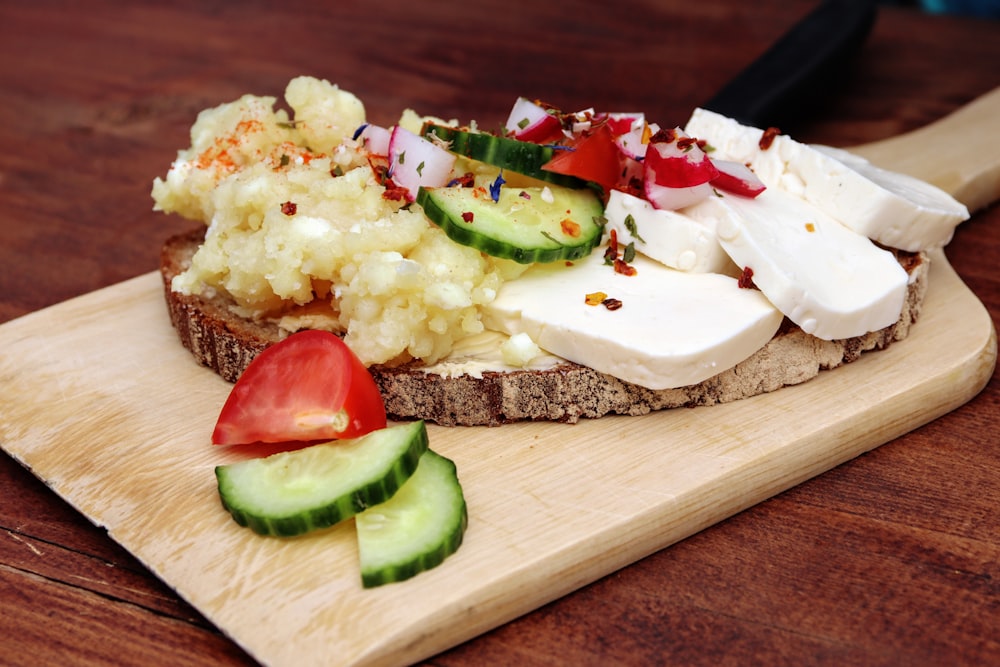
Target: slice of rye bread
(226,343)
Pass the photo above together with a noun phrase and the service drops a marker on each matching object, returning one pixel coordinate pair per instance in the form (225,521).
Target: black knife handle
(793,73)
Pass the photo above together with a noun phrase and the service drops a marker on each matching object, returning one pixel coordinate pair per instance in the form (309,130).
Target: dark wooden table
(889,559)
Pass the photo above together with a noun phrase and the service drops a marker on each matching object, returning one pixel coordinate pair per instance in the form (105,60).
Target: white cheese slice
(896,210)
(831,281)
(673,328)
(670,238)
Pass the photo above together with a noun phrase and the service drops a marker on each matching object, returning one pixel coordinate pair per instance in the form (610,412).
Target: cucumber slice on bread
(523,157)
(417,528)
(294,492)
(523,224)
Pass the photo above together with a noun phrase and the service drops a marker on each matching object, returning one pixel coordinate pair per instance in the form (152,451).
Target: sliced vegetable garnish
(415,162)
(593,157)
(524,224)
(291,493)
(522,157)
(737,178)
(310,386)
(416,529)
(674,160)
(530,121)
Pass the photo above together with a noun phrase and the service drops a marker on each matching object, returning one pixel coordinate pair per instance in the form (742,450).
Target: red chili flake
(663,135)
(810,227)
(394,192)
(611,304)
(767,138)
(467,216)
(289,208)
(686,143)
(570,228)
(611,254)
(746,279)
(624,268)
(466,180)
(523,195)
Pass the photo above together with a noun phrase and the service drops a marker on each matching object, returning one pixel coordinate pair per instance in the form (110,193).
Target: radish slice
(415,161)
(529,121)
(629,130)
(671,199)
(678,162)
(375,139)
(737,178)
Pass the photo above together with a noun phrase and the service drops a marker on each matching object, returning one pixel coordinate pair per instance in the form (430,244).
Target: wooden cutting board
(100,401)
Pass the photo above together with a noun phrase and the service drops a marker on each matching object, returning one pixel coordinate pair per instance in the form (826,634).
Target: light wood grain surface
(887,559)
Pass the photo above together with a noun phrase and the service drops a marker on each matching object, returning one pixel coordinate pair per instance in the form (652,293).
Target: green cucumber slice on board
(524,224)
(294,492)
(417,528)
(523,157)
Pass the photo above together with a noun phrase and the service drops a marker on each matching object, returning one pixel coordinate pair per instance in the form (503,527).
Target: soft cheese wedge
(673,328)
(894,209)
(669,237)
(831,281)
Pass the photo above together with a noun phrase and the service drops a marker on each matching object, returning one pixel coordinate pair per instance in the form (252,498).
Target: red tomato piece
(310,386)
(593,157)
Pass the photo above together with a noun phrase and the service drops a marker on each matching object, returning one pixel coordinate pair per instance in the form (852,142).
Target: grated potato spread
(298,231)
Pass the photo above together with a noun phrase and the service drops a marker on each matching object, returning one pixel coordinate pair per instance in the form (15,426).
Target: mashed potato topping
(298,230)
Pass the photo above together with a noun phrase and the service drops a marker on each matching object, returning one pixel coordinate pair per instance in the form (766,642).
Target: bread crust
(226,343)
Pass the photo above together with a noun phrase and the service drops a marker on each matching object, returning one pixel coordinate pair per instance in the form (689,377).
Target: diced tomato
(593,157)
(310,386)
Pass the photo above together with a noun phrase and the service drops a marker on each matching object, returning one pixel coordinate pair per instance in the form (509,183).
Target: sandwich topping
(413,241)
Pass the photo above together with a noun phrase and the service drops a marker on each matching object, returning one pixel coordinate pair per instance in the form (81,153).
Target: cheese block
(669,237)
(831,281)
(893,209)
(663,329)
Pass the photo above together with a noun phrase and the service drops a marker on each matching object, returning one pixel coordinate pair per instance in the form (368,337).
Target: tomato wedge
(310,386)
(593,157)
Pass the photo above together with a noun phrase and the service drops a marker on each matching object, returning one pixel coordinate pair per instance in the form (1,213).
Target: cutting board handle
(959,153)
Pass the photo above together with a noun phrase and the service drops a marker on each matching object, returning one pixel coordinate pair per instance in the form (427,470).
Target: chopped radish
(375,139)
(629,131)
(415,161)
(620,123)
(737,178)
(671,199)
(583,121)
(529,121)
(676,161)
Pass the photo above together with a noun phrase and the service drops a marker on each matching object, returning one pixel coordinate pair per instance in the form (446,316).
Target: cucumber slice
(524,157)
(294,492)
(524,224)
(417,528)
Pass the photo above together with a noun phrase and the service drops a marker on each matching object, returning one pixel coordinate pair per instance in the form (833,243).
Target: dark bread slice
(226,343)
